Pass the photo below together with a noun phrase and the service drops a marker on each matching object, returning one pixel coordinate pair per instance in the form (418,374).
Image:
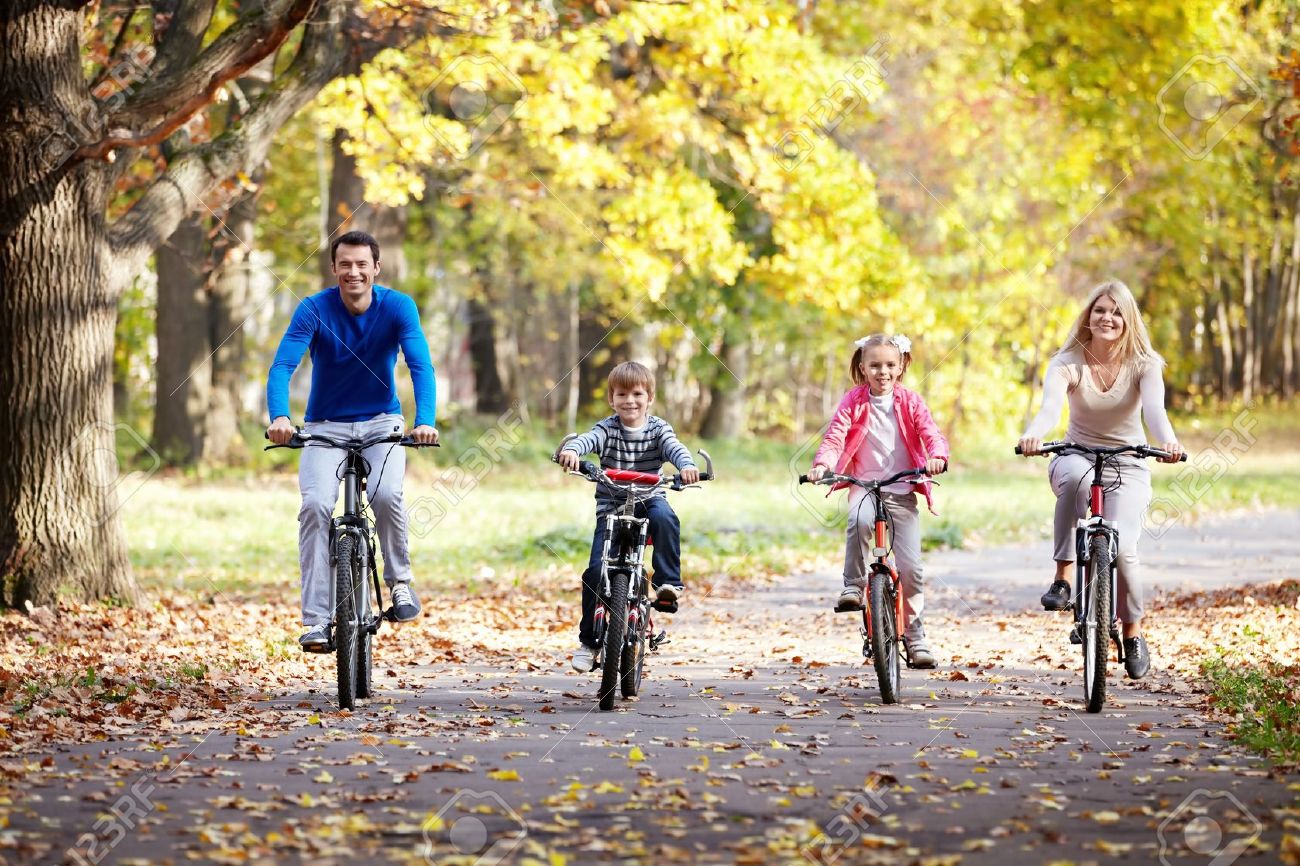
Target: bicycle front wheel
(634,657)
(345,619)
(615,629)
(1096,623)
(884,636)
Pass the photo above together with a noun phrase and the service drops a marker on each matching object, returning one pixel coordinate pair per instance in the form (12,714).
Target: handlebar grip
(1182,458)
(1018,451)
(803,479)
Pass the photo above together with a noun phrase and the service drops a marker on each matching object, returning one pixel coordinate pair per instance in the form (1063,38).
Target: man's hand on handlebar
(425,435)
(568,459)
(280,431)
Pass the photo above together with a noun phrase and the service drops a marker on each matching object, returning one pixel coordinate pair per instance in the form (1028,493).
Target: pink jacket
(848,428)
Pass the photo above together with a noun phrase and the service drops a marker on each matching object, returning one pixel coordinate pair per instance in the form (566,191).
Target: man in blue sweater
(353,331)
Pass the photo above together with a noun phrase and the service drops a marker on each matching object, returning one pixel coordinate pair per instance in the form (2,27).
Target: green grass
(238,532)
(1265,704)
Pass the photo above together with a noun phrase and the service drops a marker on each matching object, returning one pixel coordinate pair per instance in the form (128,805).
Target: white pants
(1071,478)
(906,542)
(320,472)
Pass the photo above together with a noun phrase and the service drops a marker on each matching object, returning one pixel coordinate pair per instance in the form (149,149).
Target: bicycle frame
(624,550)
(353,522)
(883,564)
(1087,529)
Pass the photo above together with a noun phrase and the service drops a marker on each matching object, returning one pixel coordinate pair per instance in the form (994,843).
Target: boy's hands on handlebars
(690,476)
(280,431)
(568,459)
(425,435)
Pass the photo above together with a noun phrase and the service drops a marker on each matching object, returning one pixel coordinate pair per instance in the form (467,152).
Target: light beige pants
(1128,493)
(906,541)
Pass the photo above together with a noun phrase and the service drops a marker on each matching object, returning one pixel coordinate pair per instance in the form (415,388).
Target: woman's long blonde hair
(1134,345)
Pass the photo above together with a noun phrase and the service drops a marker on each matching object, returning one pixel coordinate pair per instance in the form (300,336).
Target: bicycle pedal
(658,640)
(388,615)
(665,606)
(319,648)
(1076,637)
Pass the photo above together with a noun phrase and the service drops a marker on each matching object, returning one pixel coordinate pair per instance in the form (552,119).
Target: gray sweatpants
(1071,478)
(861,537)
(319,472)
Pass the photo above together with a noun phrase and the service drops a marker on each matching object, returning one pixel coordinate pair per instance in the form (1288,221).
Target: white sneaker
(406,606)
(317,635)
(584,658)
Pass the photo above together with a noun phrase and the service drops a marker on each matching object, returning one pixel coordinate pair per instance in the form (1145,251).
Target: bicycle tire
(365,644)
(884,636)
(615,629)
(633,665)
(1096,631)
(345,618)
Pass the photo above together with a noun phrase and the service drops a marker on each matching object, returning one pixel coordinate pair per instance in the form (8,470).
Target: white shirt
(882,452)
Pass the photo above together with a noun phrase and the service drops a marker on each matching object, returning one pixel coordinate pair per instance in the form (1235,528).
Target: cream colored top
(1103,418)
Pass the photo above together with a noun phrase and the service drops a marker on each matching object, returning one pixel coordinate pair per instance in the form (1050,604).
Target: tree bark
(726,414)
(489,393)
(59,485)
(184,373)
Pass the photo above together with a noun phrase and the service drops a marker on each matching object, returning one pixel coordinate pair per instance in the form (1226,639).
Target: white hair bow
(903,343)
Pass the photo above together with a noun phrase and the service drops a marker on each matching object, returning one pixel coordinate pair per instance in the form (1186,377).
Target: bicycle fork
(1086,530)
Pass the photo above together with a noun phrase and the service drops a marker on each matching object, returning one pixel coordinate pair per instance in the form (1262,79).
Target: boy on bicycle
(631,439)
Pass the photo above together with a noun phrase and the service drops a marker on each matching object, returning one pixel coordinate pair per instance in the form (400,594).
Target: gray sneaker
(584,658)
(919,654)
(317,635)
(850,600)
(406,606)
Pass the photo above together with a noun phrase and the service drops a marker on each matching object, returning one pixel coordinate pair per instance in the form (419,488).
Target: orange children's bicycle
(882,639)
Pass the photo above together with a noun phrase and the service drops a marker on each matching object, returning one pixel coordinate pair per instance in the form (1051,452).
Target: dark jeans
(664,528)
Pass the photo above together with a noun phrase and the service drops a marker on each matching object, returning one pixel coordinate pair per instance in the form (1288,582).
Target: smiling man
(353,331)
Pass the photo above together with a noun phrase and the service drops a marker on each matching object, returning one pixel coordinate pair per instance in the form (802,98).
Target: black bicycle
(623,622)
(1096,545)
(357,613)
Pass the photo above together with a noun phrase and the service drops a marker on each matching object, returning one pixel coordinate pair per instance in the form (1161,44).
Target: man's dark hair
(355,239)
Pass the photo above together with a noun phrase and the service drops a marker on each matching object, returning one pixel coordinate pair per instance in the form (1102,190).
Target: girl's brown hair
(855,365)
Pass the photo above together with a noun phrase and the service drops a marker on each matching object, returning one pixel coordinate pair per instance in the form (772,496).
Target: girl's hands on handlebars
(817,473)
(936,466)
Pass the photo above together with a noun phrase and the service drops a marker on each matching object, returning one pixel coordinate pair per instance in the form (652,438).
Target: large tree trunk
(489,393)
(184,376)
(60,489)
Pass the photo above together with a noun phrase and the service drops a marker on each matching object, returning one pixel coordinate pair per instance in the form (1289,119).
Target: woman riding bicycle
(1112,378)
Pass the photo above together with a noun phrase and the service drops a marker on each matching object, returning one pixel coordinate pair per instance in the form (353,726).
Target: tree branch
(195,174)
(169,101)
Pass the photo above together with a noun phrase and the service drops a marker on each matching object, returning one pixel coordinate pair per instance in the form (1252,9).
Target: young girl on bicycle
(1112,378)
(879,430)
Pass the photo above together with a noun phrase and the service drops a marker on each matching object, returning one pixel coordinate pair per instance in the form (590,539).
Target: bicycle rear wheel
(615,629)
(884,636)
(345,618)
(1096,623)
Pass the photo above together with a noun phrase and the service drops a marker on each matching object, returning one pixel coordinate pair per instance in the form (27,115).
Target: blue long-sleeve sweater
(353,358)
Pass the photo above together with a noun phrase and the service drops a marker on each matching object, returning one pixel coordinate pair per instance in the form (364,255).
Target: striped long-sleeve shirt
(643,450)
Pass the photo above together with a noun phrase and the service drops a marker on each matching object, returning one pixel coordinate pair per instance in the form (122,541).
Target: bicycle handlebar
(302,440)
(1142,450)
(612,477)
(836,478)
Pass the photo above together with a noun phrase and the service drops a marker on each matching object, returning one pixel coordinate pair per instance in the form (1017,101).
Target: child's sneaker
(584,658)
(850,600)
(919,654)
(666,597)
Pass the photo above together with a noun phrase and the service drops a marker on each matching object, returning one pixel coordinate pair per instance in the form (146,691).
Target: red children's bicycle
(1096,544)
(882,639)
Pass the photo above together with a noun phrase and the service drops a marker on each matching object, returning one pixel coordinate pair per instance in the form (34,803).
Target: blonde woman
(1112,378)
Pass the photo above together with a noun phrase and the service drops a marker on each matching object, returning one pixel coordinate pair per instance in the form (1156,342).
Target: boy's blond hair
(628,375)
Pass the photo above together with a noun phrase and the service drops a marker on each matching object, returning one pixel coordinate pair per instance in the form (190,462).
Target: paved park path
(759,737)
